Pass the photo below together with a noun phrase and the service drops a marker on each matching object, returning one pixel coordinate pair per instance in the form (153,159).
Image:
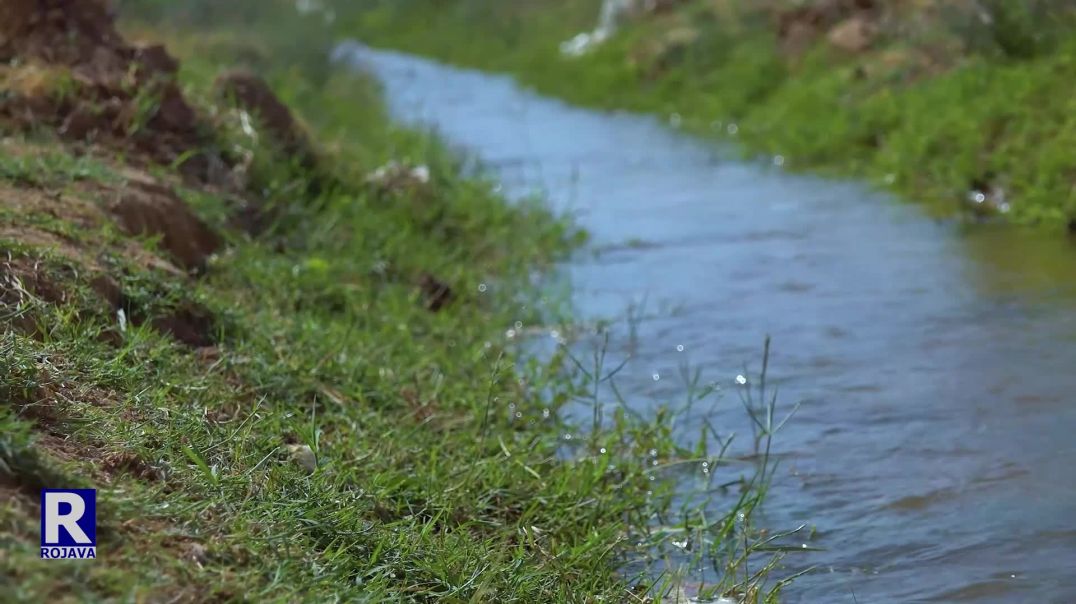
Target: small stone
(304,457)
(853,35)
(197,553)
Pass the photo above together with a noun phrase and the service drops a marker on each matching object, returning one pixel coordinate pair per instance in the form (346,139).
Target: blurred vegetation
(942,99)
(1027,28)
(248,31)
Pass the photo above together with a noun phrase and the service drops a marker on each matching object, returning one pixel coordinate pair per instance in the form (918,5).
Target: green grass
(442,470)
(925,115)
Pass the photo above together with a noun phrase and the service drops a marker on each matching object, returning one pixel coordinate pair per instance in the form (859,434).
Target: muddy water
(935,363)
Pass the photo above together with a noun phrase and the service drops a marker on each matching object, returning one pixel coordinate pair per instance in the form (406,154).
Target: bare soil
(69,70)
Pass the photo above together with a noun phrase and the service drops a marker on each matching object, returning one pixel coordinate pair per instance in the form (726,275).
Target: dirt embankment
(73,89)
(66,73)
(69,70)
(98,149)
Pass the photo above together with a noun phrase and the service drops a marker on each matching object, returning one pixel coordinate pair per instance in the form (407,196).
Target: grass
(336,440)
(929,113)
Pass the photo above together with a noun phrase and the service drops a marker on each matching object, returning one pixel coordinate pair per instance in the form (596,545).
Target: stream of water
(934,362)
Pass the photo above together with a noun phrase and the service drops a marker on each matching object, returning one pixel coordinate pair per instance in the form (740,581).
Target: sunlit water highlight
(935,364)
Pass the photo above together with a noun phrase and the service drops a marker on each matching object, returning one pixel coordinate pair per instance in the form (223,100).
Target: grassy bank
(937,102)
(305,393)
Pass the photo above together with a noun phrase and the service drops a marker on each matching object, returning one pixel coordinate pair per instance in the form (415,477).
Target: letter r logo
(54,518)
(68,517)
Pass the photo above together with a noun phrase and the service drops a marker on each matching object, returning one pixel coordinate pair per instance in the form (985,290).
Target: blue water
(934,449)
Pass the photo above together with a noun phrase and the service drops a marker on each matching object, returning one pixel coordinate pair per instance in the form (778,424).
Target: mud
(99,88)
(72,266)
(68,71)
(149,209)
(436,293)
(253,94)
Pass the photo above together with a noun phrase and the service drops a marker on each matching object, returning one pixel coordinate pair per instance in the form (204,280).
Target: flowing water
(935,442)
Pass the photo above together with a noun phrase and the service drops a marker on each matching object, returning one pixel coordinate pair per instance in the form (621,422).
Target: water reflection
(1020,262)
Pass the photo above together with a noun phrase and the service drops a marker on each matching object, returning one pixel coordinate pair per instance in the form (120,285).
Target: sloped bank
(965,105)
(273,341)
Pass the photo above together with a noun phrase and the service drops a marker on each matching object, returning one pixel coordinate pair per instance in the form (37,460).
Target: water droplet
(741,380)
(482,287)
(545,412)
(890,179)
(778,160)
(602,450)
(679,348)
(519,415)
(511,333)
(733,129)
(567,437)
(554,334)
(657,377)
(653,452)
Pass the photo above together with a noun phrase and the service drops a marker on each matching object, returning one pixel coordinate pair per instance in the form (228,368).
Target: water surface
(935,363)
